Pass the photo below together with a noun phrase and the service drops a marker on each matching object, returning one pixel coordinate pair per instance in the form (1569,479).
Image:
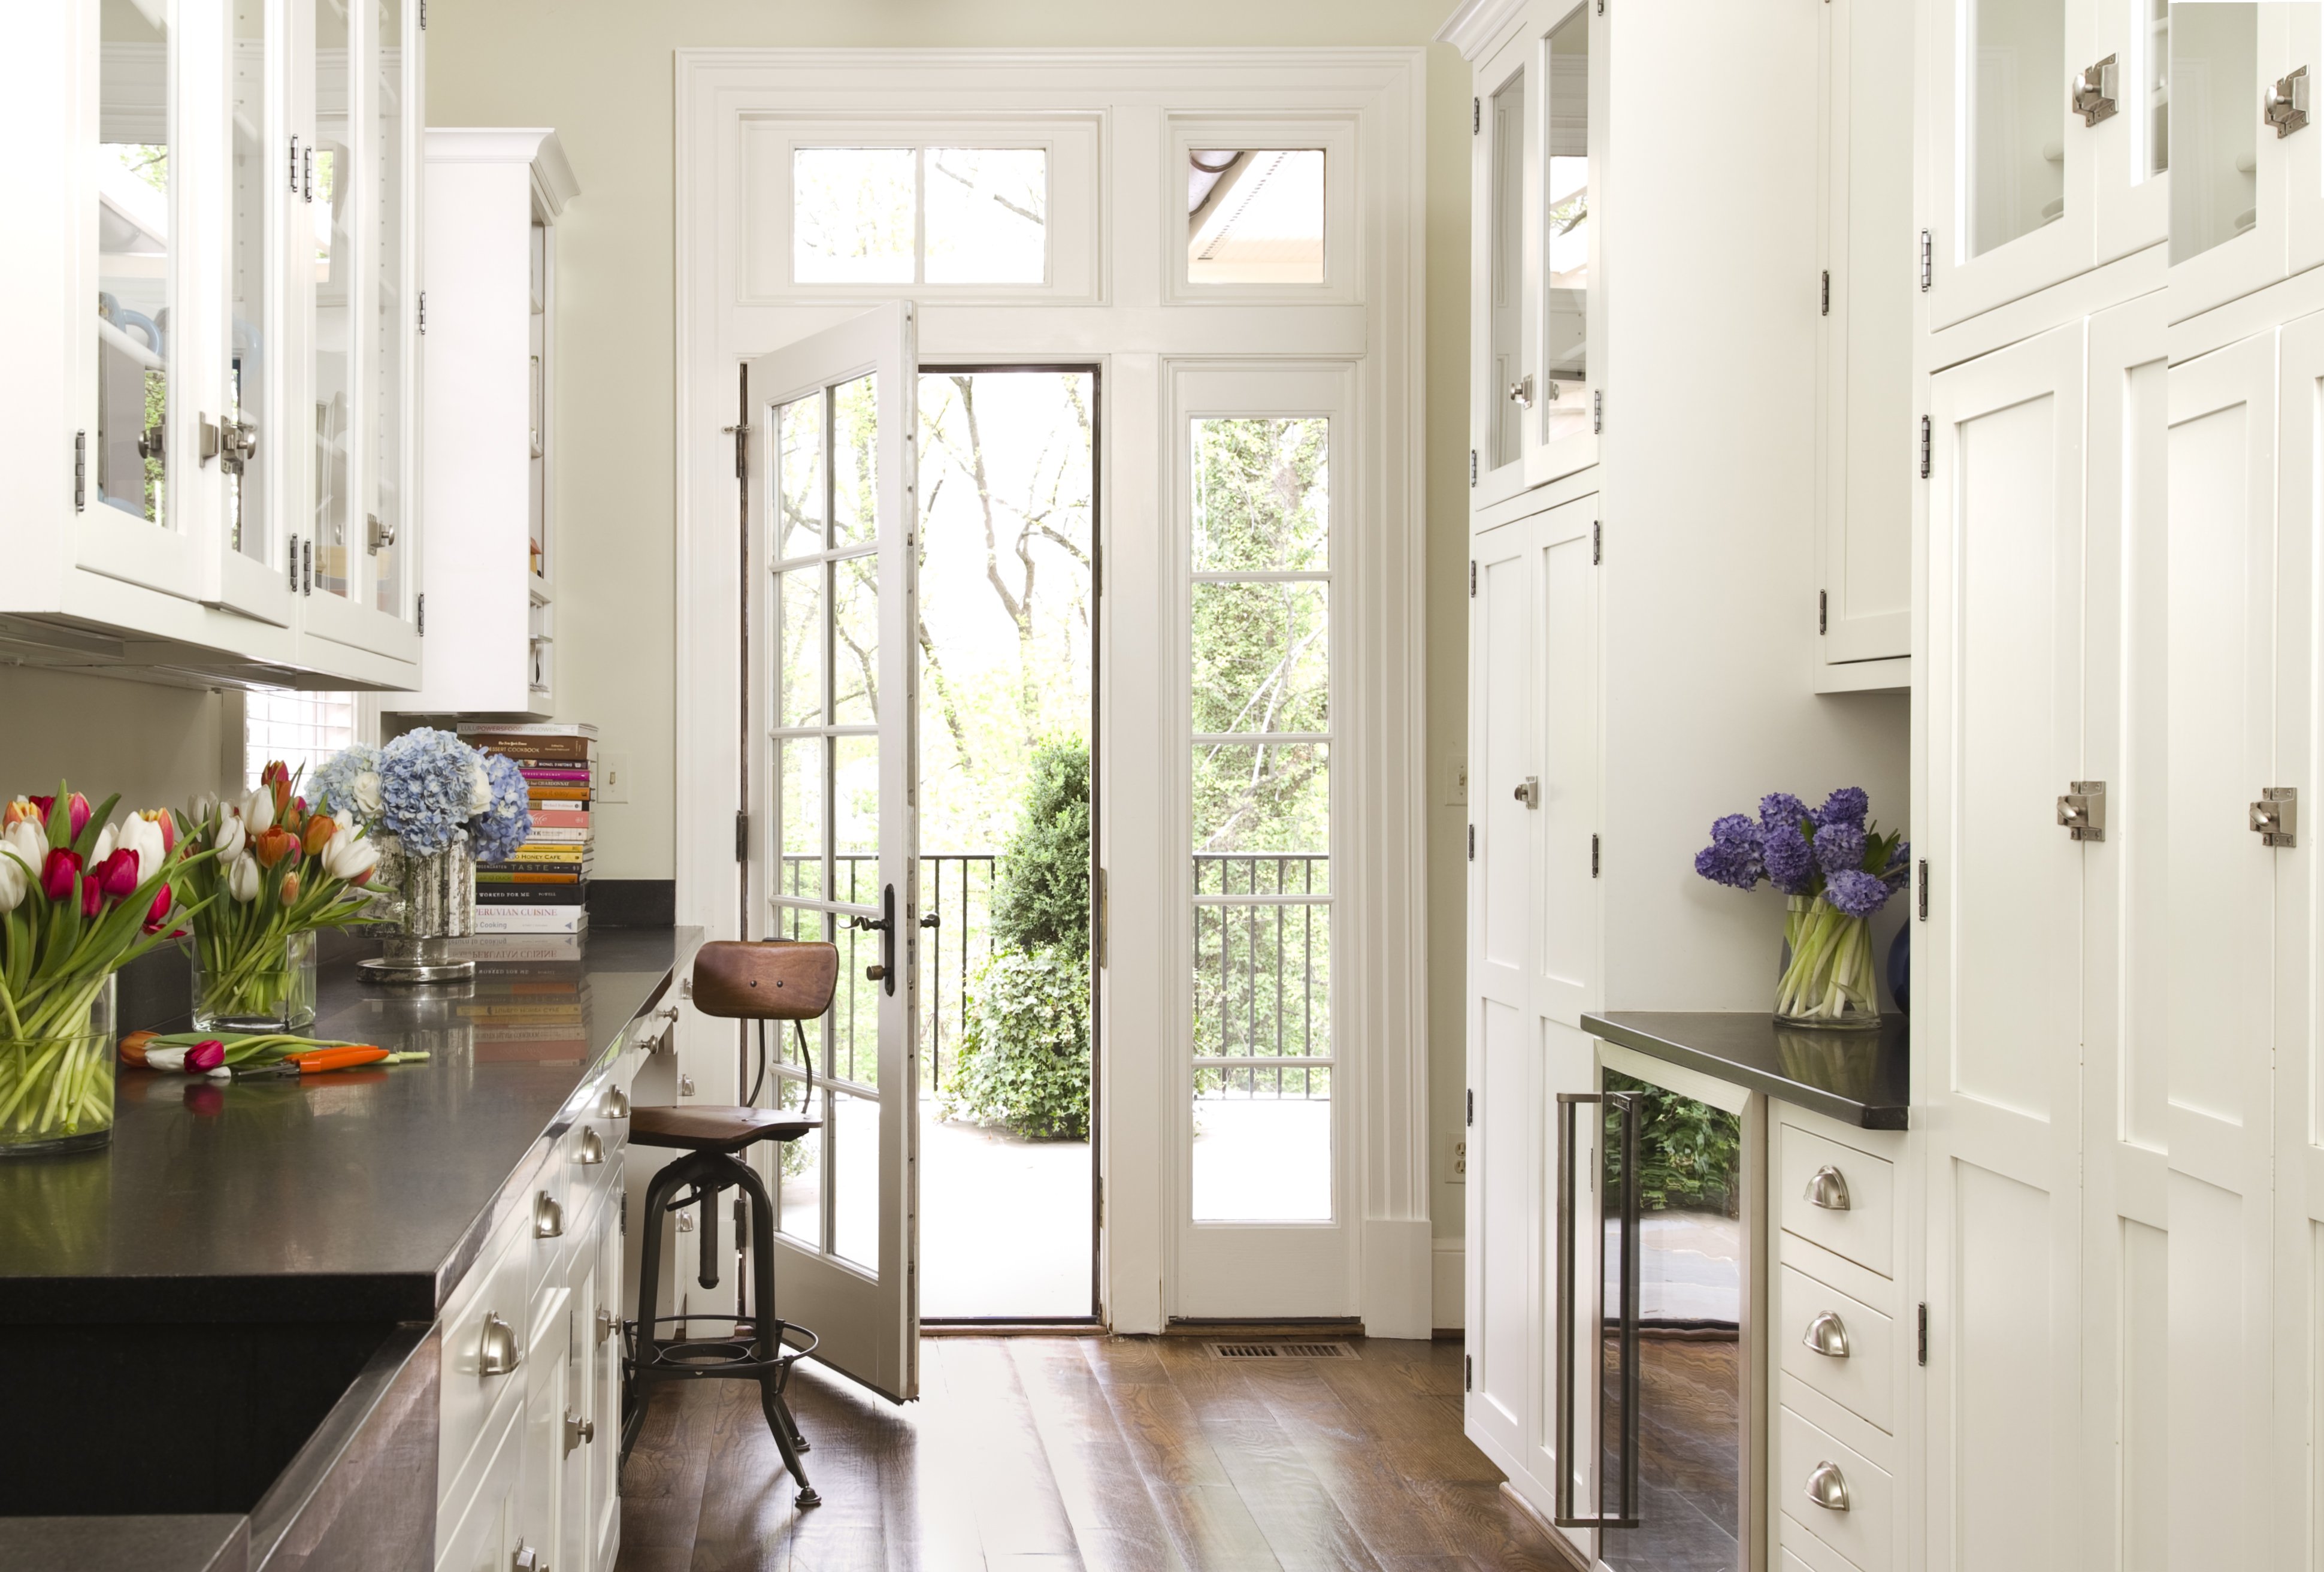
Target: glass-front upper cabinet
(2047,157)
(1537,116)
(226,181)
(2240,154)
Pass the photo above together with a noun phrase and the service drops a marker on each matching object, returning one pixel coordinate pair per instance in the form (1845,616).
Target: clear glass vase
(56,1072)
(433,902)
(267,986)
(1827,982)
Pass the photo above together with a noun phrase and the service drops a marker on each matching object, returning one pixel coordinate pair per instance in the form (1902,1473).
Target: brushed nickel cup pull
(548,1218)
(616,1105)
(590,1151)
(1826,1336)
(1827,1488)
(496,1346)
(1828,1189)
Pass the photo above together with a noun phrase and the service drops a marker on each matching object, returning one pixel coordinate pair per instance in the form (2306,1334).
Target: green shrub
(1689,1153)
(1041,890)
(1024,1058)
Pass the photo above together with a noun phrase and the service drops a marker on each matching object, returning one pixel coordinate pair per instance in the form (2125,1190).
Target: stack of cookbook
(544,886)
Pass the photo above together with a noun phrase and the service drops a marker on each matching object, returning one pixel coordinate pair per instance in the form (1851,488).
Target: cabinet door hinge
(423,15)
(1100,1201)
(1597,543)
(423,313)
(307,175)
(1922,900)
(294,564)
(1476,115)
(80,477)
(742,450)
(1924,1338)
(294,166)
(1472,467)
(1594,856)
(420,613)
(1928,259)
(1598,409)
(1472,578)
(1468,1373)
(1925,447)
(1473,843)
(306,552)
(742,838)
(1472,1106)
(1826,310)
(1823,611)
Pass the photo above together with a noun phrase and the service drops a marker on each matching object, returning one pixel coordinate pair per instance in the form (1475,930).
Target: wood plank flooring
(1108,1453)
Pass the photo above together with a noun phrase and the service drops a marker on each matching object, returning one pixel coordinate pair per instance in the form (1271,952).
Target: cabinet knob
(616,1105)
(1827,1488)
(496,1352)
(1828,1189)
(605,1323)
(1521,391)
(590,1151)
(1826,1336)
(1529,792)
(548,1218)
(579,1430)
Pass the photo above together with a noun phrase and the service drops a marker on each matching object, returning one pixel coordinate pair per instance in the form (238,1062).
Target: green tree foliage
(1690,1154)
(1041,892)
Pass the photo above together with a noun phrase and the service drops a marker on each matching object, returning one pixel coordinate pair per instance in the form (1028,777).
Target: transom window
(920,215)
(1255,215)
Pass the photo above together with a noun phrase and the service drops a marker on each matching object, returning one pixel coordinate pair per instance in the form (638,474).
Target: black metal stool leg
(633,1391)
(770,1331)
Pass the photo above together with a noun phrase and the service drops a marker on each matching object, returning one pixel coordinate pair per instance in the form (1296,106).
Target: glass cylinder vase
(433,902)
(268,985)
(56,1072)
(1828,982)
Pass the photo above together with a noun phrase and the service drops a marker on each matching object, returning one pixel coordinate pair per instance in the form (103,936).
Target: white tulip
(14,881)
(368,800)
(25,840)
(242,881)
(105,843)
(144,835)
(230,838)
(258,809)
(204,807)
(346,855)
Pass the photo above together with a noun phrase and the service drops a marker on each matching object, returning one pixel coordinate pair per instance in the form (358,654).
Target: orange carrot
(337,1058)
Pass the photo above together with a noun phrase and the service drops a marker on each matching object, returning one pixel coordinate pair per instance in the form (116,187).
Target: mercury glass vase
(1827,982)
(433,902)
(56,1073)
(269,987)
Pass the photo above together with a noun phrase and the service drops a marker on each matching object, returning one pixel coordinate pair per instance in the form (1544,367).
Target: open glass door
(833,689)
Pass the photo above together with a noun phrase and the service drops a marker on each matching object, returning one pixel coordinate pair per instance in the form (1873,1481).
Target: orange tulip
(289,889)
(271,846)
(318,833)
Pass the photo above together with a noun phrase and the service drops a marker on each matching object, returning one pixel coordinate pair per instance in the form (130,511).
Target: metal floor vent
(1281,1351)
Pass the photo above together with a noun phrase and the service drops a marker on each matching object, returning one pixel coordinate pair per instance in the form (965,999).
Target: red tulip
(92,895)
(273,845)
(158,914)
(117,875)
(77,808)
(59,874)
(45,804)
(205,1056)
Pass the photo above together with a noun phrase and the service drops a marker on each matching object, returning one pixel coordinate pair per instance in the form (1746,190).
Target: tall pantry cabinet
(208,457)
(1642,633)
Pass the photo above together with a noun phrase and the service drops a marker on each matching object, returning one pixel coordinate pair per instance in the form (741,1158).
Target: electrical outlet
(1460,1174)
(1456,784)
(613,778)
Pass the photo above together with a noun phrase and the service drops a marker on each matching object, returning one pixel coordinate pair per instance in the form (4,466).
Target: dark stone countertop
(356,1195)
(1859,1077)
(168,1542)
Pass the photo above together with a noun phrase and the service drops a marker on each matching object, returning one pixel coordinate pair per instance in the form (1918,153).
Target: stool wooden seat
(774,980)
(726,1130)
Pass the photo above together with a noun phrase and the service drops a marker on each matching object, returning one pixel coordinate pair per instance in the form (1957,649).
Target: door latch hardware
(211,443)
(237,445)
(2094,91)
(2275,816)
(382,536)
(2082,811)
(1521,391)
(685,1089)
(1529,792)
(2284,105)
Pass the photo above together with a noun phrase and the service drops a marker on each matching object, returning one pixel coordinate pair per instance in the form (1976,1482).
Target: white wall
(157,747)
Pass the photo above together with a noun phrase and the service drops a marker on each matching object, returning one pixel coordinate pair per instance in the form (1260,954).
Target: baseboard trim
(1014,1329)
(1558,1542)
(1321,1326)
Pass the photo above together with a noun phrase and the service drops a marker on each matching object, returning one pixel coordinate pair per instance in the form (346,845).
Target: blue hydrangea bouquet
(1837,870)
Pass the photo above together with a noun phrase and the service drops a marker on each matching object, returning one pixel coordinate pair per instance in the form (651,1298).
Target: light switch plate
(613,784)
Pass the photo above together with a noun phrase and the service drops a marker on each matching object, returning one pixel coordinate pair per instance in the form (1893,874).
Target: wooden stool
(775,980)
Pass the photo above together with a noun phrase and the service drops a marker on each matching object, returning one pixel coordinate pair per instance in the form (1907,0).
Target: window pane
(133,261)
(385,534)
(1262,494)
(799,600)
(2214,126)
(1566,240)
(249,276)
(1261,659)
(1255,215)
(1262,989)
(798,442)
(798,765)
(988,212)
(855,1180)
(851,214)
(1261,797)
(1264,1158)
(855,641)
(798,1169)
(301,729)
(334,217)
(2017,106)
(855,460)
(2156,56)
(1508,152)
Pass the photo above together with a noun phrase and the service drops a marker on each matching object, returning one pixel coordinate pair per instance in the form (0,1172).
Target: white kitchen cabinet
(2024,191)
(159,483)
(2231,174)
(494,196)
(1865,465)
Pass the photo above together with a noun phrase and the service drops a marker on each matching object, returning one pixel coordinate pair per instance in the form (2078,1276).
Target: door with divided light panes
(1262,458)
(830,529)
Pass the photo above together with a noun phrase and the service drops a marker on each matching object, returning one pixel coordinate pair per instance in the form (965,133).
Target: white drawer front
(494,1287)
(1865,1229)
(1864,1531)
(1863,1379)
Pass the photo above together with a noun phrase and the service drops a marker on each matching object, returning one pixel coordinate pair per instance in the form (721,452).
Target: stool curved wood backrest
(769,979)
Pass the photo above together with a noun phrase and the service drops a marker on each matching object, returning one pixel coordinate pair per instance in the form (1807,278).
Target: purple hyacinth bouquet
(1837,870)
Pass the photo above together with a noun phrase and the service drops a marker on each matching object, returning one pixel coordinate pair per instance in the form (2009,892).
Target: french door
(832,694)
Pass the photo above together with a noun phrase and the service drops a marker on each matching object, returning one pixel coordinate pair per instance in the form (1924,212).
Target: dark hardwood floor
(1111,1454)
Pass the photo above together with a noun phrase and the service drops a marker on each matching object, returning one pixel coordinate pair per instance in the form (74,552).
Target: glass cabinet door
(131,451)
(2236,165)
(1568,93)
(332,212)
(385,539)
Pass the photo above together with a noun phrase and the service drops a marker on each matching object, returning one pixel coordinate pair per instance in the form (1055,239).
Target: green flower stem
(1829,976)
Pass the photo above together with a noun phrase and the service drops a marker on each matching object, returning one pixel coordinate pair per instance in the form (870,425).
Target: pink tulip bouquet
(280,871)
(80,897)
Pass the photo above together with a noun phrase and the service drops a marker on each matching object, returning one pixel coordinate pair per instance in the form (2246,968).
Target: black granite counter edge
(1882,1112)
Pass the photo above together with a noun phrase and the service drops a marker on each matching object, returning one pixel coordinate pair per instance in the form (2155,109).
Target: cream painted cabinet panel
(1865,296)
(2218,689)
(2025,190)
(1999,1048)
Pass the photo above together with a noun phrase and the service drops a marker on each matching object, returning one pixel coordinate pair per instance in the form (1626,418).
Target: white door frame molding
(1137,325)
